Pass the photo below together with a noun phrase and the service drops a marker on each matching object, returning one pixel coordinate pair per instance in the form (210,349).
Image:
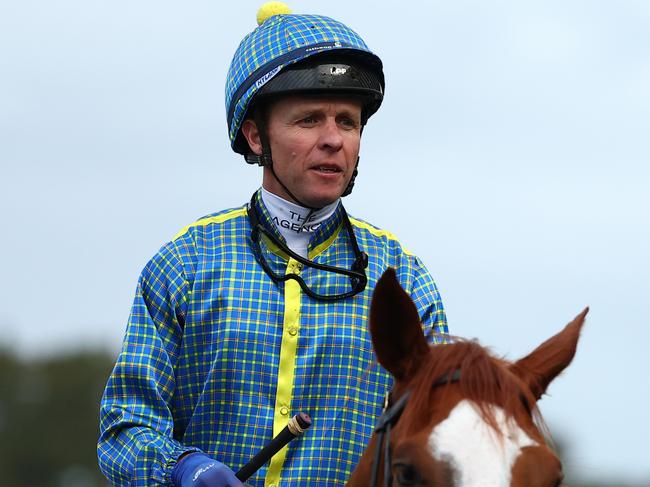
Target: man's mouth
(327,169)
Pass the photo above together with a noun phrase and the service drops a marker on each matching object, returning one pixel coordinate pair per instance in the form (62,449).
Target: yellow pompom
(269,9)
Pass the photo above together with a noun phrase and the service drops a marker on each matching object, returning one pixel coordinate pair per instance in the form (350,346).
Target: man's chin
(320,201)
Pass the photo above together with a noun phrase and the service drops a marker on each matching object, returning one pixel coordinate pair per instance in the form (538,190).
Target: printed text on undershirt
(294,222)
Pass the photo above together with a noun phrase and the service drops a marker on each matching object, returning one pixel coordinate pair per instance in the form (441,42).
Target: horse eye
(407,475)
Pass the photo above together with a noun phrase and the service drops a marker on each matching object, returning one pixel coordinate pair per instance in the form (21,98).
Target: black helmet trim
(331,76)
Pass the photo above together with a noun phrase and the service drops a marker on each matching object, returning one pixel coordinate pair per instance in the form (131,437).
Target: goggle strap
(357,274)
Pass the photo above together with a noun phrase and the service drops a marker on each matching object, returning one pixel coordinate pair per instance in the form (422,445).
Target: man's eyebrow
(352,114)
(316,108)
(305,110)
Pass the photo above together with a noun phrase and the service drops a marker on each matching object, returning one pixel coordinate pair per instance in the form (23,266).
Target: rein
(388,419)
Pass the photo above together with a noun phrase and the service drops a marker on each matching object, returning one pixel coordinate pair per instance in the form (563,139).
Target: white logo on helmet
(265,79)
(331,45)
(337,71)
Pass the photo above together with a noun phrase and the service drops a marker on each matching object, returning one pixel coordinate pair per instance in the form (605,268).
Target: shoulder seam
(211,219)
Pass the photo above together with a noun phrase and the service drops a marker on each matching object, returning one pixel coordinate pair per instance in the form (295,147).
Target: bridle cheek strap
(388,418)
(375,461)
(386,422)
(388,473)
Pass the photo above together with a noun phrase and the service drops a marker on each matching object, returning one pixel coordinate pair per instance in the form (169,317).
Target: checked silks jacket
(217,357)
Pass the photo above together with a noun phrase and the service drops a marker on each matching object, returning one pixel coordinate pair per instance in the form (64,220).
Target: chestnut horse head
(470,419)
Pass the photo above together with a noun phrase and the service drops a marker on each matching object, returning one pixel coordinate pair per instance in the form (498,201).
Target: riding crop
(296,427)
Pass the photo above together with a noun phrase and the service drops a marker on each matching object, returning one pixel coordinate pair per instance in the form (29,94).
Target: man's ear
(252,135)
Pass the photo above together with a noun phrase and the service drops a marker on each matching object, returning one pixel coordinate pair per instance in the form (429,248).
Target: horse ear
(395,328)
(548,360)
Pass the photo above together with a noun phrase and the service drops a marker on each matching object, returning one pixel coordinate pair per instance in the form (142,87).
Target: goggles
(319,281)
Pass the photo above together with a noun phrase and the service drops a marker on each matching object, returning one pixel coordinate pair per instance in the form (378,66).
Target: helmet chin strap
(350,185)
(265,160)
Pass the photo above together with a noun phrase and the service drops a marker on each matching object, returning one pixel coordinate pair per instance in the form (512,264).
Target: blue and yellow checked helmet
(289,54)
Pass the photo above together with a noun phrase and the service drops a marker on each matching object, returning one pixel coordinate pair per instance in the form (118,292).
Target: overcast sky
(511,154)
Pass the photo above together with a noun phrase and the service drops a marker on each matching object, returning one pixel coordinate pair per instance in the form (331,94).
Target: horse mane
(484,379)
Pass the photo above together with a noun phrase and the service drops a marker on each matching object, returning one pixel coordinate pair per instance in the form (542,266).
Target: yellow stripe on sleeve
(377,232)
(212,219)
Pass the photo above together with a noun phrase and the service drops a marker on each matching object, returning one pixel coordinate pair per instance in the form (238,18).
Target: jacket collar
(325,232)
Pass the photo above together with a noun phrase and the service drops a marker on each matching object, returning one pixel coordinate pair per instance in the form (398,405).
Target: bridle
(388,419)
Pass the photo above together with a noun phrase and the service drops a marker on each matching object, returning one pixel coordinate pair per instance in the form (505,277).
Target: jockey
(252,314)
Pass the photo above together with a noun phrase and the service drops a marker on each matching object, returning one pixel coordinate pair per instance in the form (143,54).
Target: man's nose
(331,137)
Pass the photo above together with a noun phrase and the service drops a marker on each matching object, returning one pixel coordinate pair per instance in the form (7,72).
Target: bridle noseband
(388,419)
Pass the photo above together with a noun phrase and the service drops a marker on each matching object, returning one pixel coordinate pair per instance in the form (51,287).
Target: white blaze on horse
(458,416)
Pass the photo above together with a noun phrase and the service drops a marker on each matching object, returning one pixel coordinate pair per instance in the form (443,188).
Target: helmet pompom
(269,9)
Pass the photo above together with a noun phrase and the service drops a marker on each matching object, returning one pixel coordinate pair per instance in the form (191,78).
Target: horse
(457,416)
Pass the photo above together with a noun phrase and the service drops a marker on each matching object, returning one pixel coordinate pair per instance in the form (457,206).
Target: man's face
(314,146)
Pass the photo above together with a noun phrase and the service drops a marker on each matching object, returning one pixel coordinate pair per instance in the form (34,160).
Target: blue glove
(199,470)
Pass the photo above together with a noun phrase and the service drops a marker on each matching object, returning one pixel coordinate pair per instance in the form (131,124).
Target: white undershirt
(289,219)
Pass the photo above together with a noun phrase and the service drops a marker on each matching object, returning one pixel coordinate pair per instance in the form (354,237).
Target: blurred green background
(49,421)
